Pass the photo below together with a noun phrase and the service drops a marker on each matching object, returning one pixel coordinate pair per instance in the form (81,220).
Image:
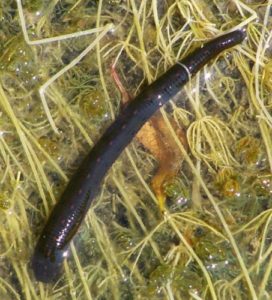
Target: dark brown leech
(72,207)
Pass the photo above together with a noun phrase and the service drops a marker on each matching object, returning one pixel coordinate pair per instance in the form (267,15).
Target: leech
(71,209)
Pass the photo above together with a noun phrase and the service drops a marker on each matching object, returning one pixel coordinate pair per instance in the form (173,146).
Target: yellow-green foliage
(56,98)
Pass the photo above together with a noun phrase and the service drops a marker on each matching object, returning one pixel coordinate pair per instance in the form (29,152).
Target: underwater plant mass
(208,147)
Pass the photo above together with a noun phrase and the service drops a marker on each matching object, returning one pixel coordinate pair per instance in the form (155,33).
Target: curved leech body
(72,207)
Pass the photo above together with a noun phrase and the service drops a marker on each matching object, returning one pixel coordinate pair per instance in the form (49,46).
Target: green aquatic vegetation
(4,201)
(16,62)
(183,282)
(174,188)
(248,149)
(210,139)
(96,107)
(227,182)
(57,96)
(217,258)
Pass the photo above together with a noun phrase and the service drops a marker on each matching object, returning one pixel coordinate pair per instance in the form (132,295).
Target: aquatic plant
(56,98)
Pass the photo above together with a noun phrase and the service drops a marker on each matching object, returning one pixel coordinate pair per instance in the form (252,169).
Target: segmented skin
(74,203)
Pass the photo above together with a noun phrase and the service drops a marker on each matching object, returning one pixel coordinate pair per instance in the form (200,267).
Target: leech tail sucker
(78,196)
